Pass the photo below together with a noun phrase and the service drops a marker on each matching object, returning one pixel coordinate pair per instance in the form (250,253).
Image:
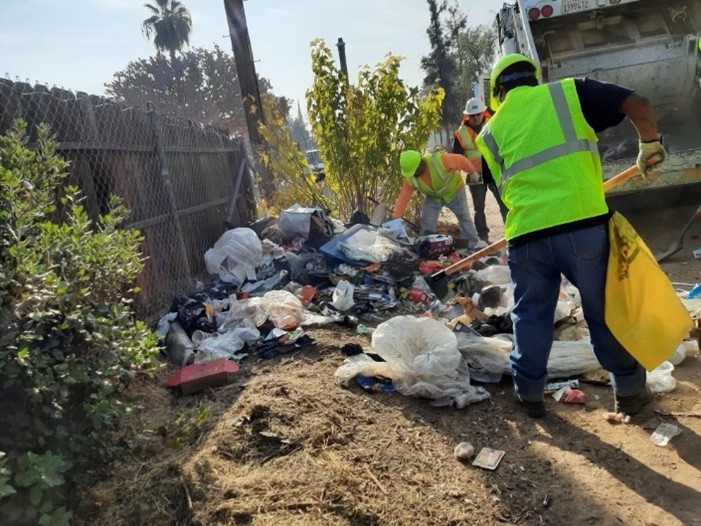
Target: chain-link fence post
(168,186)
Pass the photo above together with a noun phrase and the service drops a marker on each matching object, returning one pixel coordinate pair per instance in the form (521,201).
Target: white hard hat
(474,106)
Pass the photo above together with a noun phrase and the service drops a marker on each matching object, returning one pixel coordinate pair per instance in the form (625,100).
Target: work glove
(473,178)
(647,149)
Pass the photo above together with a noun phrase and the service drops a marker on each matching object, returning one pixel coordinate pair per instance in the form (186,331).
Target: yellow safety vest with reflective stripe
(543,156)
(466,137)
(444,184)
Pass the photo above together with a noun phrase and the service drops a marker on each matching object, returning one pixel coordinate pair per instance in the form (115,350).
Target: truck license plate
(572,6)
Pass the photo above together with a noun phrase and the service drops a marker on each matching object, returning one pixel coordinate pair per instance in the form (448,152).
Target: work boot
(631,405)
(533,409)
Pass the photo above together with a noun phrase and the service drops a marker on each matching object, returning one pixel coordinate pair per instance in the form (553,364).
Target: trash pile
(274,279)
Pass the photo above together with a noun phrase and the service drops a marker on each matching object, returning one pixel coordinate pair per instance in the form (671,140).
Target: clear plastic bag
(491,356)
(235,256)
(417,345)
(422,360)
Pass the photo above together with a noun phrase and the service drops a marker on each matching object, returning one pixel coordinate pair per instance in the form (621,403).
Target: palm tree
(170,26)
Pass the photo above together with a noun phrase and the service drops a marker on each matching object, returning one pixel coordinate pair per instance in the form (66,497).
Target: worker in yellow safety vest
(540,150)
(474,117)
(439,177)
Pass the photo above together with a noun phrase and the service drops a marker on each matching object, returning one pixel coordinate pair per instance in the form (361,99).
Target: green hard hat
(409,161)
(503,63)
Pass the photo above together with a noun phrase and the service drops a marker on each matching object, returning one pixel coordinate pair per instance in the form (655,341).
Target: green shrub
(69,341)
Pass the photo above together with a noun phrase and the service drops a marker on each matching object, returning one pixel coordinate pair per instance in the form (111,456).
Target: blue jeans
(431,209)
(536,268)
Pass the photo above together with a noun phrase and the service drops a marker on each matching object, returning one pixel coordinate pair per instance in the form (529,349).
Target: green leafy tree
(69,340)
(439,65)
(475,50)
(362,128)
(199,85)
(169,25)
(294,183)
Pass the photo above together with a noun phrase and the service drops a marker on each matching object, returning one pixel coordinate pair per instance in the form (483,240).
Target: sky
(79,44)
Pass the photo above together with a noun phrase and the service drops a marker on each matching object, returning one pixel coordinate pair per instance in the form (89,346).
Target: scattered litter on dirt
(281,443)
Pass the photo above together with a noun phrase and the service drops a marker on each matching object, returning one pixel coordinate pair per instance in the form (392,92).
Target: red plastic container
(417,296)
(200,376)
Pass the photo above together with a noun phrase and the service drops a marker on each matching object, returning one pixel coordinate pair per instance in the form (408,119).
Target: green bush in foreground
(69,341)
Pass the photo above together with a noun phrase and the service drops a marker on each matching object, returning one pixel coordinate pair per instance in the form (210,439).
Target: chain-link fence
(183,182)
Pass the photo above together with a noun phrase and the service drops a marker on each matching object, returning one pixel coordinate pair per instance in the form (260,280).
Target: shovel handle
(466,262)
(626,174)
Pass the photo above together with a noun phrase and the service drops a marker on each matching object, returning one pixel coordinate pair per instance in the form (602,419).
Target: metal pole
(341,45)
(168,186)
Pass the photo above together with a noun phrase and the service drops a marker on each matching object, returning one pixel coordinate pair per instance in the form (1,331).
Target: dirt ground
(286,445)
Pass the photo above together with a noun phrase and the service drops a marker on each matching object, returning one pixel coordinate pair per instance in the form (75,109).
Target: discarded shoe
(533,409)
(631,405)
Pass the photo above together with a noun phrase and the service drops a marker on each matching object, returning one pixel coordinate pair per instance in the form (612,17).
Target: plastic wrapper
(422,360)
(235,256)
(228,344)
(281,307)
(664,433)
(660,380)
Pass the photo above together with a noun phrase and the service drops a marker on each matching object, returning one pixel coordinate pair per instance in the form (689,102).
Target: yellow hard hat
(505,62)
(409,161)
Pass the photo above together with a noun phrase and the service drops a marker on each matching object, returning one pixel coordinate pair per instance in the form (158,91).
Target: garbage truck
(651,46)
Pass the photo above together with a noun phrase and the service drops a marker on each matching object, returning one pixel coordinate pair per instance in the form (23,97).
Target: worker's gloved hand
(646,150)
(473,178)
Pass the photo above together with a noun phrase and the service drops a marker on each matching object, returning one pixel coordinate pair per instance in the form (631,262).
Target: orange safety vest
(466,137)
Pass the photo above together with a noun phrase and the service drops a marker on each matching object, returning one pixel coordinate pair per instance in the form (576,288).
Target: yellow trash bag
(642,310)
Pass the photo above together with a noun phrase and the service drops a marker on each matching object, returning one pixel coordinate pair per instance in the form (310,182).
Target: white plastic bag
(235,256)
(661,380)
(686,349)
(343,296)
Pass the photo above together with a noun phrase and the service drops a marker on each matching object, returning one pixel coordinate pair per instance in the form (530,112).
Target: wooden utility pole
(248,81)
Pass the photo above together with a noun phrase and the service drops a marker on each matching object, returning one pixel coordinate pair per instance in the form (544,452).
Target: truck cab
(650,46)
